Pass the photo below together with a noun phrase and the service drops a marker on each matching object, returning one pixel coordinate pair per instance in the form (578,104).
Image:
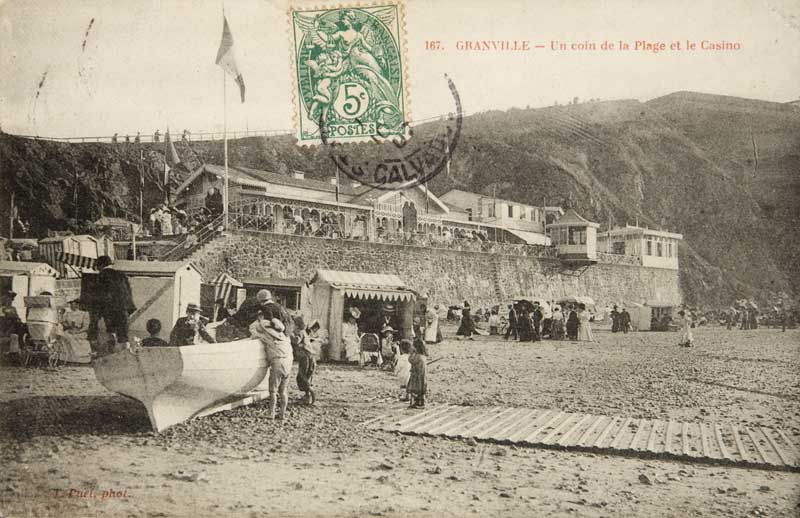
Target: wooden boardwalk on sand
(757,446)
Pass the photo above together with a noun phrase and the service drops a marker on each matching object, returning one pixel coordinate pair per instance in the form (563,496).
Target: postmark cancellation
(349,72)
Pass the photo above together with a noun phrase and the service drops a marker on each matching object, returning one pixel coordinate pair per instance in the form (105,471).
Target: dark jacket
(249,309)
(512,316)
(184,332)
(115,292)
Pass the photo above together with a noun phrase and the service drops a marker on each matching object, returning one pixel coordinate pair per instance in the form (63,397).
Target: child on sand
(306,362)
(154,328)
(279,358)
(402,369)
(417,382)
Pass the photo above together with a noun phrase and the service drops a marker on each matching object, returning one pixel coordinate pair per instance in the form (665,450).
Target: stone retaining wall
(447,276)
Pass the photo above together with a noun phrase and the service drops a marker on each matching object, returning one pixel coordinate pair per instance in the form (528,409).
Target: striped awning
(79,261)
(372,294)
(223,285)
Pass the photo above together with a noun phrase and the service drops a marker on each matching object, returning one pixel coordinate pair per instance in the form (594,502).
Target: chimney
(333,181)
(299,175)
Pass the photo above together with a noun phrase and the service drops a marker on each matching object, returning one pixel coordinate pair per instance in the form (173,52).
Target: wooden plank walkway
(759,446)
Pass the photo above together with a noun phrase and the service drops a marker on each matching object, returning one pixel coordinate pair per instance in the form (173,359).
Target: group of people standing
(528,323)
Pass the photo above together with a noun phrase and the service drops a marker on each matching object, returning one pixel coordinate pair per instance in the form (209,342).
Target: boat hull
(177,383)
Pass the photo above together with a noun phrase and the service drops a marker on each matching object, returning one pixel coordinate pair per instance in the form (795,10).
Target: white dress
(432,328)
(585,330)
(350,341)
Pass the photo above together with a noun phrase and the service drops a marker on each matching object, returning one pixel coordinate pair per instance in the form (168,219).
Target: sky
(149,64)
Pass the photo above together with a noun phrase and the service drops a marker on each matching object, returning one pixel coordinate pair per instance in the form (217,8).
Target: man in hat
(512,322)
(249,309)
(113,304)
(187,328)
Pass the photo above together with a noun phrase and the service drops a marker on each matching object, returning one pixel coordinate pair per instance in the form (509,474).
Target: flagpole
(225,132)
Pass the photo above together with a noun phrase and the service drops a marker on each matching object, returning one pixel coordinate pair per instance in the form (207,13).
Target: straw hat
(355,312)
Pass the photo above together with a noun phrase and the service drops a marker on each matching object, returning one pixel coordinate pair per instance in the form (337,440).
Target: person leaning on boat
(189,327)
(279,357)
(237,326)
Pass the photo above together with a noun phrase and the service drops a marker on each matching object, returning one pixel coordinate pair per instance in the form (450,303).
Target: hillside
(679,162)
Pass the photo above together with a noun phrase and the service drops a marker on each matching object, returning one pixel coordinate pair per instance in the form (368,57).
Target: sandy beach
(72,449)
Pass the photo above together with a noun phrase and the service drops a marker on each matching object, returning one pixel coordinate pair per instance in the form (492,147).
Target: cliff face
(684,162)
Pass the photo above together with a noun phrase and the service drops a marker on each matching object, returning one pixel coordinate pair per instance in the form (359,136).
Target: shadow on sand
(26,418)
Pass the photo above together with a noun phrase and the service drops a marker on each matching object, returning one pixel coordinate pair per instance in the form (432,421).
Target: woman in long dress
(350,338)
(432,320)
(686,340)
(585,329)
(467,327)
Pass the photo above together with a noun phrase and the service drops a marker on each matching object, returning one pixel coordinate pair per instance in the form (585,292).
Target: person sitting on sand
(154,328)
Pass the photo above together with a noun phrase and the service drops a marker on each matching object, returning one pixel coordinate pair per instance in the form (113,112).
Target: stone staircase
(499,295)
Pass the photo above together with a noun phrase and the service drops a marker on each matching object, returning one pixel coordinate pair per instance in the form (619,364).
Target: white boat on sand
(177,383)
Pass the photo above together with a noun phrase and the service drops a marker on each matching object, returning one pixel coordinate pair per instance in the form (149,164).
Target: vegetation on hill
(684,162)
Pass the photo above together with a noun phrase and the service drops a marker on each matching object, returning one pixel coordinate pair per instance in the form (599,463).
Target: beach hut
(224,287)
(640,316)
(161,290)
(334,293)
(288,292)
(26,280)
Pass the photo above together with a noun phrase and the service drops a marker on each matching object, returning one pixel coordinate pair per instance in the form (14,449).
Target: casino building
(294,204)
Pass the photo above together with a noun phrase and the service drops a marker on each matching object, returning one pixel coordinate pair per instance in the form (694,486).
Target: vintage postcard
(241,276)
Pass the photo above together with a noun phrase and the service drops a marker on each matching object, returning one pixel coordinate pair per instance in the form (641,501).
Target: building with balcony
(294,204)
(575,238)
(654,248)
(526,222)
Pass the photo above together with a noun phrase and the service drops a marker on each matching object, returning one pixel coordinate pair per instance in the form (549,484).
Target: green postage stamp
(349,73)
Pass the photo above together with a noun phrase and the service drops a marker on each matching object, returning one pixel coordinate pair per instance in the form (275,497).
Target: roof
(274,281)
(630,230)
(60,239)
(152,268)
(107,221)
(531,238)
(360,280)
(26,268)
(368,286)
(572,218)
(371,195)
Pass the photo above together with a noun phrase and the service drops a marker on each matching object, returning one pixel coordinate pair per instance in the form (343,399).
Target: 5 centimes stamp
(349,73)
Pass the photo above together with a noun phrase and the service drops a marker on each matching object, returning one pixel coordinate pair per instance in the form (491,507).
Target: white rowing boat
(177,383)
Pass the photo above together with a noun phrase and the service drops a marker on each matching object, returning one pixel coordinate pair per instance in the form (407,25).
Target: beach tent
(71,255)
(331,291)
(161,290)
(640,316)
(26,280)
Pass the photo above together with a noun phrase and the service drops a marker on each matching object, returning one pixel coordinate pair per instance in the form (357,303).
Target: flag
(447,153)
(226,59)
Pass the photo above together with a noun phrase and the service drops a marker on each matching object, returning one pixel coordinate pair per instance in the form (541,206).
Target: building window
(618,247)
(492,210)
(669,249)
(469,214)
(510,211)
(649,248)
(659,249)
(522,211)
